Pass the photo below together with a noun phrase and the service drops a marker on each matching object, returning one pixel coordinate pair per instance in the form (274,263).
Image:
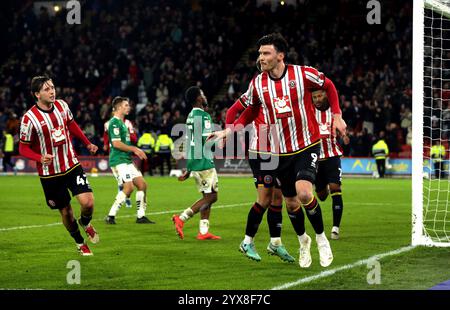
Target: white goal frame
(419,236)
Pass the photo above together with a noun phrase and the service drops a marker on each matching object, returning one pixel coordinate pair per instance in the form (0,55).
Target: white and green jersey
(118,131)
(199,126)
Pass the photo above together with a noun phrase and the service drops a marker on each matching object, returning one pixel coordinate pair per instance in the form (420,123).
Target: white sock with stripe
(186,214)
(141,205)
(120,198)
(204,226)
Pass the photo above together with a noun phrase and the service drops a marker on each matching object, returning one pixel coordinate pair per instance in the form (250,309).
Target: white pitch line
(327,273)
(124,216)
(175,211)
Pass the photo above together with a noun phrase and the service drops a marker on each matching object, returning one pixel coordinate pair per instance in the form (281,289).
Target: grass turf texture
(377,216)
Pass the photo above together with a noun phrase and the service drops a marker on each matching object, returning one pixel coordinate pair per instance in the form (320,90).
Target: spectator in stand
(177,52)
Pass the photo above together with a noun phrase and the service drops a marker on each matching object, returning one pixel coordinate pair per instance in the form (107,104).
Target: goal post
(431,86)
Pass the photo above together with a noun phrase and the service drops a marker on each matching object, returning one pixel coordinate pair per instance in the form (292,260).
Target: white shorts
(206,180)
(125,173)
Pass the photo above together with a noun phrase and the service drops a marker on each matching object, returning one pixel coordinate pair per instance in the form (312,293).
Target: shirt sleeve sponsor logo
(24,129)
(116,131)
(207,124)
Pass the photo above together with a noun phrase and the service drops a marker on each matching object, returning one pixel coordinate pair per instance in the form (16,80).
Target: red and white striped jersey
(260,138)
(47,132)
(329,145)
(287,104)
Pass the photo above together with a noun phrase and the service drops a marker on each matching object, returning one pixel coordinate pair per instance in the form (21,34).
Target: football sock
(274,220)
(85,220)
(75,232)
(140,203)
(120,198)
(338,208)
(248,239)
(254,219)
(275,241)
(314,214)
(204,226)
(298,220)
(321,237)
(302,238)
(186,214)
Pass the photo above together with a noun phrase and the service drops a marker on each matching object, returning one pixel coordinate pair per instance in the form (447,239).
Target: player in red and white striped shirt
(45,136)
(329,172)
(269,194)
(284,93)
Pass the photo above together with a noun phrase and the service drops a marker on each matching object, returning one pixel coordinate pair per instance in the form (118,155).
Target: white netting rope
(436,198)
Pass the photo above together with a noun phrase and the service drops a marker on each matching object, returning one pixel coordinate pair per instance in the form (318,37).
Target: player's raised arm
(333,98)
(248,116)
(234,110)
(76,131)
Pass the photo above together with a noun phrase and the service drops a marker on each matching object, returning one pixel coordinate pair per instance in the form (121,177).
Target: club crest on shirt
(58,135)
(292,84)
(282,107)
(324,128)
(268,179)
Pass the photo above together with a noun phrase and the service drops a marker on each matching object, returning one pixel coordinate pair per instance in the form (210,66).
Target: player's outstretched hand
(92,148)
(139,153)
(184,176)
(339,125)
(219,136)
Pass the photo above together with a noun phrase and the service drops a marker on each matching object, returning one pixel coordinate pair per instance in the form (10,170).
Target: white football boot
(326,256)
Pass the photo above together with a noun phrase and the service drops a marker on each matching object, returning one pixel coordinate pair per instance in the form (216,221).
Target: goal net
(431,123)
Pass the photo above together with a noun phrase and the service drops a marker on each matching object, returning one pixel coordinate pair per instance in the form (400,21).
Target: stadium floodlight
(431,122)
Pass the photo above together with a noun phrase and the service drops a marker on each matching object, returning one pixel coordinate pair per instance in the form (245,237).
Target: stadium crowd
(152,51)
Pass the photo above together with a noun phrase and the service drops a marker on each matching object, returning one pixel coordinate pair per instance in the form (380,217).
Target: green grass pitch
(376,220)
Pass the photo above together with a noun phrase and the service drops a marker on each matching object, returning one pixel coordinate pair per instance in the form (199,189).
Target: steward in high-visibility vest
(380,151)
(164,147)
(437,153)
(8,150)
(147,143)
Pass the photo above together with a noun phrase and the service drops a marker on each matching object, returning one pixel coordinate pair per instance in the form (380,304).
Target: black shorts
(328,171)
(56,188)
(300,166)
(263,174)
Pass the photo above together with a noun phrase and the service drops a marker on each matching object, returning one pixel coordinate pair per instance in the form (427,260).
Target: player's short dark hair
(37,83)
(192,94)
(275,39)
(118,100)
